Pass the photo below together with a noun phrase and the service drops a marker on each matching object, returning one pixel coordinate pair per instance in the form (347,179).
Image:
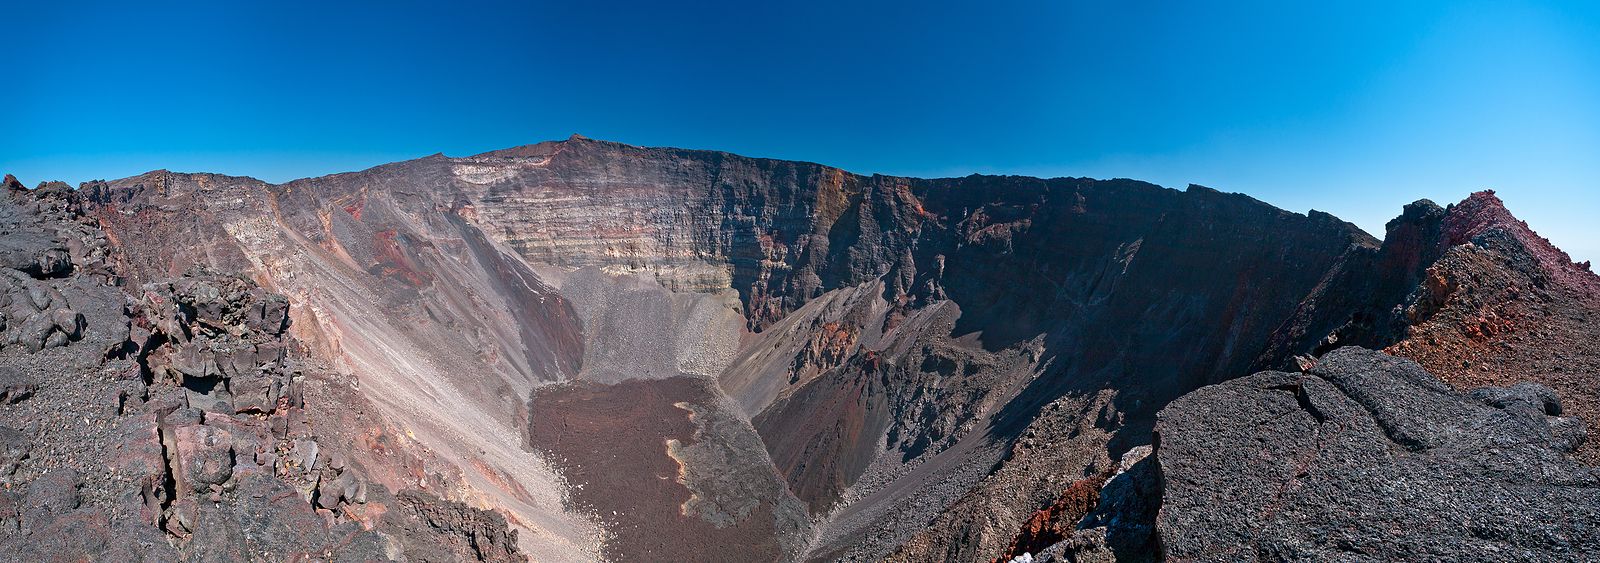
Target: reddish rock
(1056,522)
(138,454)
(204,457)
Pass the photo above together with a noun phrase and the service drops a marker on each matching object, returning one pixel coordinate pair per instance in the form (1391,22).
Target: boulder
(138,455)
(14,387)
(34,253)
(68,322)
(14,447)
(205,457)
(269,314)
(51,494)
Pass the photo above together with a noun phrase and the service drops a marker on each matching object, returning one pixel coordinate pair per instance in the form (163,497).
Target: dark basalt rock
(35,314)
(488,537)
(14,387)
(14,446)
(1369,457)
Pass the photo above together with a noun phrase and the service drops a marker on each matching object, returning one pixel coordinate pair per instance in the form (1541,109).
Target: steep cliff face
(1101,301)
(779,233)
(639,353)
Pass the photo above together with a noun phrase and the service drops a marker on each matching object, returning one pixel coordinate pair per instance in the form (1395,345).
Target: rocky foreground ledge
(1369,457)
(1364,457)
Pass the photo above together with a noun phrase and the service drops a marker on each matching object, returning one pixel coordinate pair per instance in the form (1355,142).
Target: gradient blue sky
(1354,108)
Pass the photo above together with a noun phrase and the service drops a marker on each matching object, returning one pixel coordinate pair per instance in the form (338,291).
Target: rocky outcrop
(1054,523)
(1114,523)
(218,337)
(1368,456)
(36,316)
(1468,291)
(1501,306)
(483,535)
(169,423)
(42,239)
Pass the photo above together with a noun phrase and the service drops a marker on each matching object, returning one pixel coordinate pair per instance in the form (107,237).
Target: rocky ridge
(1483,303)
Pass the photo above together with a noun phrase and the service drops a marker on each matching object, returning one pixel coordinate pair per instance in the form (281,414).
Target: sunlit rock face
(446,330)
(647,353)
(779,233)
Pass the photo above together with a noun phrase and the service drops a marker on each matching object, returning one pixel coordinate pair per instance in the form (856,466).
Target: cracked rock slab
(1368,457)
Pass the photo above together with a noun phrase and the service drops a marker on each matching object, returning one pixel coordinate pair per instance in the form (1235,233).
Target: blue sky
(1354,109)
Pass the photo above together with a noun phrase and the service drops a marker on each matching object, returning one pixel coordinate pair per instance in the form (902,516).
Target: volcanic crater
(584,350)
